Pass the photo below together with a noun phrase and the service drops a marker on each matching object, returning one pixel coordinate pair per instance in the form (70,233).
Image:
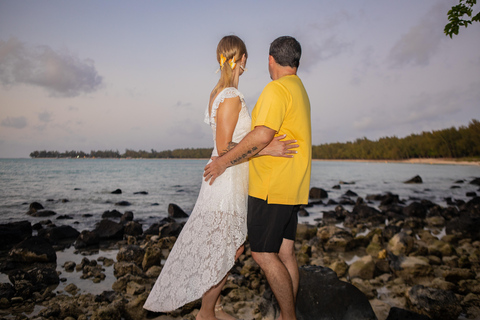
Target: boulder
(401,243)
(56,234)
(34,207)
(131,253)
(109,230)
(117,191)
(175,211)
(416,210)
(435,303)
(363,268)
(111,214)
(323,296)
(410,268)
(133,228)
(126,217)
(402,314)
(43,213)
(86,239)
(34,249)
(416,179)
(318,193)
(14,232)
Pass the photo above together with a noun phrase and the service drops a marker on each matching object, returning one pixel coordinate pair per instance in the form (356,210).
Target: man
(277,186)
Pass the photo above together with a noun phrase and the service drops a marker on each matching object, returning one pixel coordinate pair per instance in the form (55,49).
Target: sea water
(80,190)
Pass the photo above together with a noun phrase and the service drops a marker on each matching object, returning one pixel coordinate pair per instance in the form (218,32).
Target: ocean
(81,189)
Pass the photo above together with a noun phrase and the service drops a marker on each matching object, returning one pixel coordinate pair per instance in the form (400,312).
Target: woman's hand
(279,148)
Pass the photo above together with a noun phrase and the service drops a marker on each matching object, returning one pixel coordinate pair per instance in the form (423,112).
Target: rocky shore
(387,258)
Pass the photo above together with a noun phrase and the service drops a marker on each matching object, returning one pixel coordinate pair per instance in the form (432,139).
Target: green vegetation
(463,142)
(456,15)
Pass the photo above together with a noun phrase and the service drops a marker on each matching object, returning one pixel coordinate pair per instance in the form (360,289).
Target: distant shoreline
(433,161)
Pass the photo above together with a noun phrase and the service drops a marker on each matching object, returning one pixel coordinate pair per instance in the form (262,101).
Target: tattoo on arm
(229,147)
(244,156)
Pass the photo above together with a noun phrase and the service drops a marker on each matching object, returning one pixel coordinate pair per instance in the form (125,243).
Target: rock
(56,234)
(416,210)
(126,268)
(402,314)
(322,296)
(340,268)
(401,243)
(86,239)
(410,268)
(175,211)
(350,193)
(305,232)
(34,249)
(34,207)
(123,203)
(117,191)
(14,232)
(43,213)
(152,257)
(435,303)
(7,290)
(126,217)
(133,228)
(456,274)
(365,214)
(416,179)
(170,230)
(109,230)
(111,214)
(69,266)
(318,193)
(302,212)
(475,181)
(131,253)
(363,268)
(141,192)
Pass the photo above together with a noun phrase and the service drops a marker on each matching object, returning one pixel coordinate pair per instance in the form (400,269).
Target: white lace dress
(205,249)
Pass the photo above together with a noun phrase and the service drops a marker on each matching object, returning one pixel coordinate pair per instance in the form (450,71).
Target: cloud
(45,116)
(319,43)
(422,41)
(14,122)
(61,73)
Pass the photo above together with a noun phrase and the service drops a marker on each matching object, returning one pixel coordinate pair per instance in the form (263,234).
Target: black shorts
(269,224)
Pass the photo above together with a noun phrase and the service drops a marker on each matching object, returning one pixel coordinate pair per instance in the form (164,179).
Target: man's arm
(254,141)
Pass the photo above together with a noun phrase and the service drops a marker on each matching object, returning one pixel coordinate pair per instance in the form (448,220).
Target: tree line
(462,142)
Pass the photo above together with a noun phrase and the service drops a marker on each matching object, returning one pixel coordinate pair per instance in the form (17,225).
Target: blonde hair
(230,47)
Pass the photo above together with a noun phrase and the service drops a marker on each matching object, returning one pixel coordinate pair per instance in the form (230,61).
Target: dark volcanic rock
(475,181)
(402,314)
(175,211)
(14,232)
(43,213)
(118,191)
(123,203)
(415,209)
(34,249)
(34,207)
(56,234)
(86,239)
(317,193)
(435,303)
(322,295)
(133,228)
(112,214)
(416,179)
(109,230)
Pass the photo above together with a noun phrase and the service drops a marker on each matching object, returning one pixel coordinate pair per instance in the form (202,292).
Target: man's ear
(271,60)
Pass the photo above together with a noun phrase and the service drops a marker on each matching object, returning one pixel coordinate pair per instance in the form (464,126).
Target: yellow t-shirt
(284,107)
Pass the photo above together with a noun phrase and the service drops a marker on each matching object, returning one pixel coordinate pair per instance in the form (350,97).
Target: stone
(402,314)
(317,193)
(401,244)
(34,249)
(363,268)
(131,253)
(175,211)
(86,239)
(109,230)
(416,179)
(56,234)
(13,233)
(323,296)
(435,303)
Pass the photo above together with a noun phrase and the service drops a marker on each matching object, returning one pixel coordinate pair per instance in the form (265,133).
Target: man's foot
(221,314)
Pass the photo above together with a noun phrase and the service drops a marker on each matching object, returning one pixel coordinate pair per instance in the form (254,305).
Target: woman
(213,237)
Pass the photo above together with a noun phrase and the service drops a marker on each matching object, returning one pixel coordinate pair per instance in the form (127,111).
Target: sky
(116,75)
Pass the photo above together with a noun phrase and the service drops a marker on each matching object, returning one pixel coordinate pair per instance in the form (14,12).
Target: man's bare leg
(280,281)
(287,256)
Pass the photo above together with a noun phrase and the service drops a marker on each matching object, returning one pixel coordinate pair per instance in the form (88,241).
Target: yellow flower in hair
(232,63)
(222,60)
